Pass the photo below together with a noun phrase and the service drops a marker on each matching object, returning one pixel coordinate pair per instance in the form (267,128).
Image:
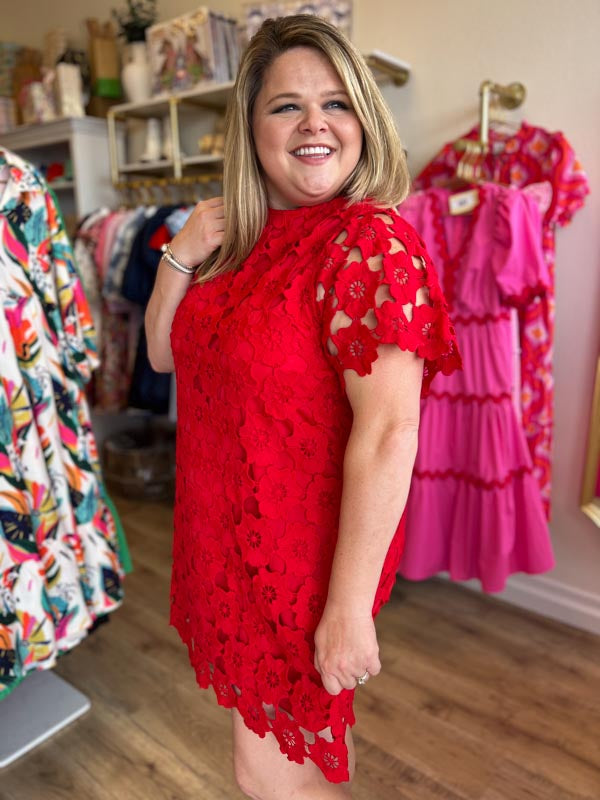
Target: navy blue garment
(149,389)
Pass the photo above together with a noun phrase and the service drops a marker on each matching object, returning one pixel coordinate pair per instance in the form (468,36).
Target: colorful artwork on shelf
(191,49)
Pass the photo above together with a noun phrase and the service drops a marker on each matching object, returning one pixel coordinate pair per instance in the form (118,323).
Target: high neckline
(279,215)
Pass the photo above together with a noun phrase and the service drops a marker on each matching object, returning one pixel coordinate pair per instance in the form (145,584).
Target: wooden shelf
(147,166)
(211,95)
(202,100)
(189,161)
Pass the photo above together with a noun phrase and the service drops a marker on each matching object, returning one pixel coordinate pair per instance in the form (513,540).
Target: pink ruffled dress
(475,509)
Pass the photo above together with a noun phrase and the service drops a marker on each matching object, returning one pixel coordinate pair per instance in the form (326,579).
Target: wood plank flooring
(477,701)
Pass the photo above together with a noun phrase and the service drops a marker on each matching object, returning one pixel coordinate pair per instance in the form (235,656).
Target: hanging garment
(150,390)
(61,555)
(117,323)
(532,155)
(475,508)
(263,422)
(84,243)
(119,257)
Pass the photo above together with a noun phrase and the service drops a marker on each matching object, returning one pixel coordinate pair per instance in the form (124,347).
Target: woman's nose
(313,120)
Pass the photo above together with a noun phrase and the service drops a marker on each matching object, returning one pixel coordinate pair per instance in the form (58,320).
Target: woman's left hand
(345,648)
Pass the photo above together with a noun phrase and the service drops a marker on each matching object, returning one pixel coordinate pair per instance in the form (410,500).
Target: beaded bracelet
(170,259)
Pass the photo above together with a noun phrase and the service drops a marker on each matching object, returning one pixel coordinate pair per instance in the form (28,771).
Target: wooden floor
(476,701)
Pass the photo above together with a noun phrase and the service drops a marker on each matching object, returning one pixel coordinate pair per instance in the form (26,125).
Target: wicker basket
(140,464)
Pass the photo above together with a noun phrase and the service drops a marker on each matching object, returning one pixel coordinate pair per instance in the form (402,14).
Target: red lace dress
(263,421)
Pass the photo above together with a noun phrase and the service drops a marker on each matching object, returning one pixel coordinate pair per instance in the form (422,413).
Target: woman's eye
(338,104)
(286,107)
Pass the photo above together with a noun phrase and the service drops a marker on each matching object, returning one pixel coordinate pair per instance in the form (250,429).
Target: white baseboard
(551,598)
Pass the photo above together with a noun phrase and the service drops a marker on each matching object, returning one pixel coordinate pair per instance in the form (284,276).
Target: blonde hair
(380,175)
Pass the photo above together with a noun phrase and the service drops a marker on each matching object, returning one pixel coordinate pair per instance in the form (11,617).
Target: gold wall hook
(510,96)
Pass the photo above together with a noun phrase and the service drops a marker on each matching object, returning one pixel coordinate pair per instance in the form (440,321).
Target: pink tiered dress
(527,158)
(475,509)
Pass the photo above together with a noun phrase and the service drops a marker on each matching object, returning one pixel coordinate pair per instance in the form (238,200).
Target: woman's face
(308,138)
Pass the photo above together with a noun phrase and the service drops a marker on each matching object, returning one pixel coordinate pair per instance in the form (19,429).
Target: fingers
(374,667)
(215,207)
(202,233)
(332,685)
(344,651)
(334,680)
(330,682)
(212,202)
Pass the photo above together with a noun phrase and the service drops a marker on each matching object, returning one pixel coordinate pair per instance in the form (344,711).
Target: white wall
(550,46)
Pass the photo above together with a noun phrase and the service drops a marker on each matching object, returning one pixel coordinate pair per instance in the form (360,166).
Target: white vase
(135,75)
(153,140)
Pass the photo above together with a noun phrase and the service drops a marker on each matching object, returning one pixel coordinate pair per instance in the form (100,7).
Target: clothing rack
(154,190)
(508,96)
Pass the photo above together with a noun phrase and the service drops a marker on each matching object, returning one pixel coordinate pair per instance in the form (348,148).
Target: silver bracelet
(173,262)
(170,262)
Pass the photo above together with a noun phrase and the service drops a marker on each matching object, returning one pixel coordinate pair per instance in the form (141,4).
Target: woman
(297,409)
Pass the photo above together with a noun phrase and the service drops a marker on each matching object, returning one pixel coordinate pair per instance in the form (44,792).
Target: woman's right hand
(201,234)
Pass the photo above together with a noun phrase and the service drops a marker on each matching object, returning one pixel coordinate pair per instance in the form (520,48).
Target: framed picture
(181,51)
(590,494)
(338,12)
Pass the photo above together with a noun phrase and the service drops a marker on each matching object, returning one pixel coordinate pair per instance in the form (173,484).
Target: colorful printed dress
(263,422)
(61,562)
(532,155)
(475,508)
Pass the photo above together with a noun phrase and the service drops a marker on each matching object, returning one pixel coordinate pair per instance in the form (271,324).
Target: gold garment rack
(510,97)
(145,188)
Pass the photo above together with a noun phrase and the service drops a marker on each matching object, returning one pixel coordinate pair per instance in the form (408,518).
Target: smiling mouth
(313,152)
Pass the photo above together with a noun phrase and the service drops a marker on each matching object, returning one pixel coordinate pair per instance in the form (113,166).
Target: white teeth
(312,151)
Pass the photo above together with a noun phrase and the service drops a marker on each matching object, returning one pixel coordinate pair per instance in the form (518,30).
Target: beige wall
(551,46)
(26,21)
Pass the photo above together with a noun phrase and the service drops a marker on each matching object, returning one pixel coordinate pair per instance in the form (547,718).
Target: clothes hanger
(501,124)
(467,178)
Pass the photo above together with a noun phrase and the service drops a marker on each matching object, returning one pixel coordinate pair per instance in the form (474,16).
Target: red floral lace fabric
(263,421)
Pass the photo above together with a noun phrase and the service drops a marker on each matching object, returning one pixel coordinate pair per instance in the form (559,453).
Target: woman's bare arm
(201,234)
(378,464)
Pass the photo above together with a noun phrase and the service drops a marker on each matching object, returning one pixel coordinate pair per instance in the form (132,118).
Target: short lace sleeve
(379,286)
(519,265)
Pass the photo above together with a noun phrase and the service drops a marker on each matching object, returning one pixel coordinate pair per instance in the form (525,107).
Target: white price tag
(463,202)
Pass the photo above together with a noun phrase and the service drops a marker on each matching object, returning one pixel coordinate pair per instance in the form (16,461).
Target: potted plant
(132,23)
(138,15)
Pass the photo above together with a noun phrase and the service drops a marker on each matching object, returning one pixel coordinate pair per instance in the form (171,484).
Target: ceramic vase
(135,75)
(153,141)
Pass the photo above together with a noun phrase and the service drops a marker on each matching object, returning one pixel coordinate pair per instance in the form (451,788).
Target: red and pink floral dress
(531,155)
(475,509)
(263,421)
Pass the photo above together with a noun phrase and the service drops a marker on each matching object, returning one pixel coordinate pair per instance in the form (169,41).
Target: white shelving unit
(82,140)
